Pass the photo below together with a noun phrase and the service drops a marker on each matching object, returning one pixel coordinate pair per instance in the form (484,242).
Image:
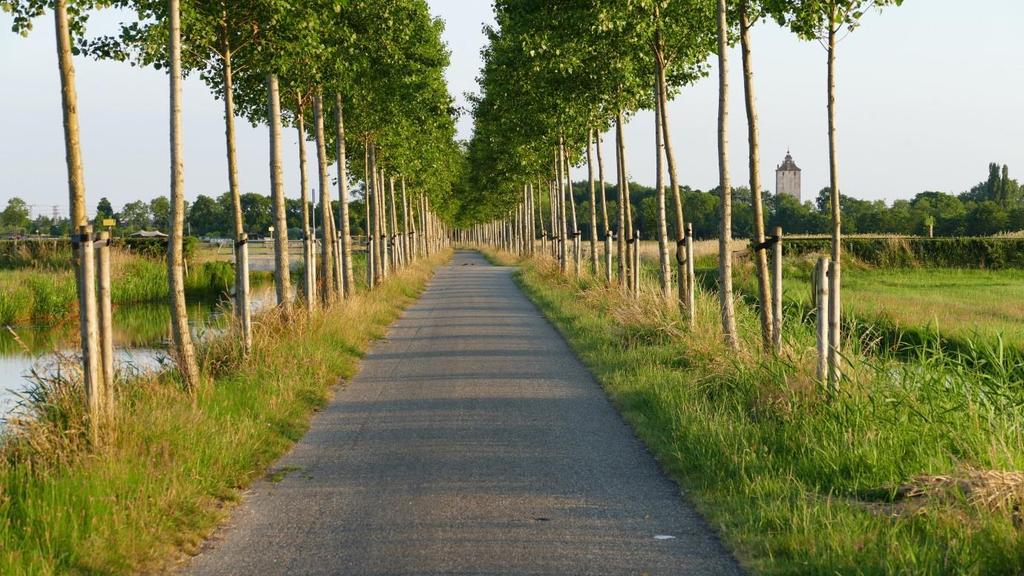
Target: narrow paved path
(471,442)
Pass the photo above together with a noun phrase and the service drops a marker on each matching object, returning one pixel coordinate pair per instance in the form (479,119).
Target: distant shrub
(39,254)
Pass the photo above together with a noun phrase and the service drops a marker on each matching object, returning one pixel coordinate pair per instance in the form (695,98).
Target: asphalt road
(472,441)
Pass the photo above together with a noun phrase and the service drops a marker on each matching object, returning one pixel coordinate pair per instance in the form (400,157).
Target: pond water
(141,334)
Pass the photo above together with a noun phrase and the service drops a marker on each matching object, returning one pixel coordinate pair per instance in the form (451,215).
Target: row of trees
(557,75)
(993,206)
(369,72)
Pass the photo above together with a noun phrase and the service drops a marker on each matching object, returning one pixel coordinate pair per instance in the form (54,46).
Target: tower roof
(788,165)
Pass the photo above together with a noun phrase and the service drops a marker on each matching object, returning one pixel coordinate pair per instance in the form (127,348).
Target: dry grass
(989,489)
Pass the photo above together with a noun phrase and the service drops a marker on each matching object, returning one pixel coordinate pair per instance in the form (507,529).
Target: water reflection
(141,334)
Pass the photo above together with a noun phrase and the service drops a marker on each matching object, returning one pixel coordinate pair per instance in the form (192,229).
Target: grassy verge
(909,470)
(161,483)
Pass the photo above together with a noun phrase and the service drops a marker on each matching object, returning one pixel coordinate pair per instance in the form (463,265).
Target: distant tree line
(206,217)
(992,206)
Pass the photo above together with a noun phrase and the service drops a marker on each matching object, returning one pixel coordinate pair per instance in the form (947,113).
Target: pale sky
(929,94)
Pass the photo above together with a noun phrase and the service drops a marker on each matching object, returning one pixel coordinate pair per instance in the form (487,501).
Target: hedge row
(910,252)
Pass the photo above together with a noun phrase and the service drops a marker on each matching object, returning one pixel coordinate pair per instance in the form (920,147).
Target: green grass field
(954,303)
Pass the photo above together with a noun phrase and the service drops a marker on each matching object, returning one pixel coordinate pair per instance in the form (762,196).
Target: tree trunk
(553,220)
(395,254)
(243,309)
(69,107)
(632,240)
(563,231)
(575,235)
(367,201)
(385,240)
(753,137)
(378,272)
(85,287)
(623,200)
(682,286)
(348,278)
(425,215)
(428,219)
(725,228)
(540,219)
(593,205)
(183,350)
(408,228)
(327,246)
(414,223)
(339,280)
(533,221)
(380,216)
(309,275)
(604,208)
(282,267)
(405,225)
(835,278)
(663,257)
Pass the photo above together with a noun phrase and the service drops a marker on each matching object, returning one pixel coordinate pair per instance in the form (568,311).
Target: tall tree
(725,294)
(222,39)
(825,20)
(681,37)
(183,348)
(282,269)
(748,14)
(70,17)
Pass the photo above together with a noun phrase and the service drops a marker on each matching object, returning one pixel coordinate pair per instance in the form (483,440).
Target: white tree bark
(184,352)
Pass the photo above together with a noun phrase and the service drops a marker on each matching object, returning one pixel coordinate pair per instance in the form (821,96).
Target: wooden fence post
(636,263)
(370,262)
(577,249)
(691,278)
(608,256)
(821,301)
(834,314)
(106,323)
(777,290)
(242,299)
(91,373)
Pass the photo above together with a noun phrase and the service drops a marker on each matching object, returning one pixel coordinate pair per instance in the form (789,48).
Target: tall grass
(909,470)
(172,464)
(27,295)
